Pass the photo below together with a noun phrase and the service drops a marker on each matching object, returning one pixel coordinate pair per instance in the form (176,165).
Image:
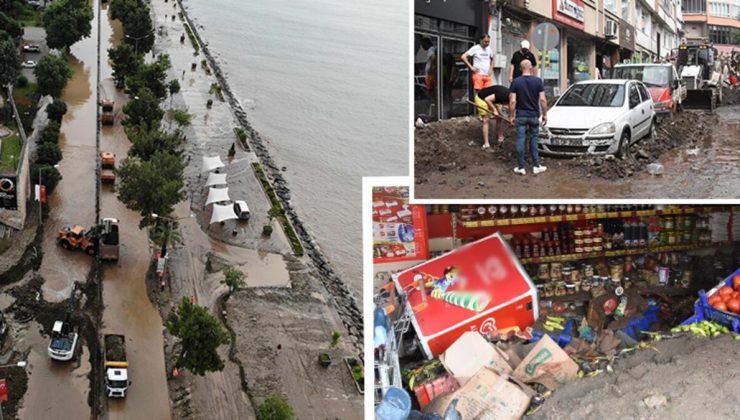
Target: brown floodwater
(128,310)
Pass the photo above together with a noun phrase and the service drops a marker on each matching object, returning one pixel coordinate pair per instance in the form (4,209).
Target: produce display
(727,298)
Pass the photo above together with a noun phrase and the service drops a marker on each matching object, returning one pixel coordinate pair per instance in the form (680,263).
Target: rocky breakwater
(345,301)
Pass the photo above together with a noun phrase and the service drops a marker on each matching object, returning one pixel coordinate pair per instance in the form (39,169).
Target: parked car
(241,209)
(598,117)
(28,64)
(666,88)
(31,48)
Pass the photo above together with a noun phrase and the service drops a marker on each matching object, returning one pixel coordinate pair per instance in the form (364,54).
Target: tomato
(720,306)
(733,305)
(714,299)
(725,290)
(726,297)
(736,282)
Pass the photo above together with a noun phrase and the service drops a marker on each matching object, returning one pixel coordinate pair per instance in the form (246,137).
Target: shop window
(426,89)
(579,60)
(455,78)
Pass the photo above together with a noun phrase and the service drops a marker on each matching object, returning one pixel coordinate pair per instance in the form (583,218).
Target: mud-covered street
(698,151)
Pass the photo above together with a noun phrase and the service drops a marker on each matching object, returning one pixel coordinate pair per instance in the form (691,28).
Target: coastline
(346,301)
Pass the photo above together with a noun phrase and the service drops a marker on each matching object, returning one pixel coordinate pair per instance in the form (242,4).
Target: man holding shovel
(489,102)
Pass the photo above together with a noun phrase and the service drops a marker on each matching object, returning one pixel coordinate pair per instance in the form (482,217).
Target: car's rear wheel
(653,132)
(65,244)
(624,144)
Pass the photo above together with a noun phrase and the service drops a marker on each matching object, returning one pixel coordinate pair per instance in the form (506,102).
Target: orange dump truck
(107,115)
(107,166)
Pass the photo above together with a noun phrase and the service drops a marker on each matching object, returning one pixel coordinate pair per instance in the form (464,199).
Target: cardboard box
(478,287)
(469,354)
(547,364)
(487,395)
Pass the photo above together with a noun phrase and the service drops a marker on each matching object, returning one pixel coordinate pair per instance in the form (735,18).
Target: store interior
(590,283)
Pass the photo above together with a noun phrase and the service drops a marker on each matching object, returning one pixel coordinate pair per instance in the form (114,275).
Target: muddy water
(73,201)
(263,268)
(55,389)
(128,310)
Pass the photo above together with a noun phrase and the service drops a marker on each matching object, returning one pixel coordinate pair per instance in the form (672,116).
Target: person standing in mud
(526,96)
(489,101)
(482,56)
(516,61)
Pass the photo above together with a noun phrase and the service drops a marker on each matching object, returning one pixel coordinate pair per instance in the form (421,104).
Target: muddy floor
(698,152)
(686,377)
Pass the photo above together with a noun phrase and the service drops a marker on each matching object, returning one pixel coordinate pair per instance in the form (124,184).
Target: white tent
(222,212)
(215,179)
(211,163)
(217,195)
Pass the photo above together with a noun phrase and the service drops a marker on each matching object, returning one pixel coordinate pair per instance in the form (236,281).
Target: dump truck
(116,366)
(100,240)
(106,116)
(701,70)
(107,166)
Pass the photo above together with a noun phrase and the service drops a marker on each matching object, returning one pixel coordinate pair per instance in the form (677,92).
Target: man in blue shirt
(526,96)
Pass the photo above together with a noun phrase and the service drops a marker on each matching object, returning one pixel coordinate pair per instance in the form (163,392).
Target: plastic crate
(644,323)
(562,338)
(704,311)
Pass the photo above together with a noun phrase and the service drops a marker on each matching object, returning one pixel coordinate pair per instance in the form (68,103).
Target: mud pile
(688,375)
(684,130)
(730,96)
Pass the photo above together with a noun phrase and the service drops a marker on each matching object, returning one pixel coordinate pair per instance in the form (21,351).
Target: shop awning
(215,179)
(212,162)
(217,195)
(222,212)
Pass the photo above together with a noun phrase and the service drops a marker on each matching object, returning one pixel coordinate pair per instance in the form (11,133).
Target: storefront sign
(8,188)
(571,12)
(399,228)
(478,287)
(626,35)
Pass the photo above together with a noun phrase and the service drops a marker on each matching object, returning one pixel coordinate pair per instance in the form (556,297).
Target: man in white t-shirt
(482,62)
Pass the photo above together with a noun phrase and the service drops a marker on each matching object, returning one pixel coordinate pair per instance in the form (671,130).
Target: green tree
(151,76)
(143,109)
(234,278)
(182,117)
(56,110)
(165,234)
(146,142)
(173,87)
(123,10)
(50,134)
(52,74)
(138,30)
(49,153)
(275,407)
(152,186)
(10,26)
(10,62)
(124,61)
(50,176)
(200,335)
(66,22)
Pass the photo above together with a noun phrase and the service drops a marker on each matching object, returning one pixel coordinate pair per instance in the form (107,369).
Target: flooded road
(700,164)
(55,389)
(128,310)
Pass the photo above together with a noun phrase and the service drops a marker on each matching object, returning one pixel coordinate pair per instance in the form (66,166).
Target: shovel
(488,111)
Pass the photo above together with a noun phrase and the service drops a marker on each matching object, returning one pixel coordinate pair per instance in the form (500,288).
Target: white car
(28,64)
(598,117)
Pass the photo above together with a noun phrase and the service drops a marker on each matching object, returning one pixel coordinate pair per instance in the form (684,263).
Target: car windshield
(651,76)
(593,94)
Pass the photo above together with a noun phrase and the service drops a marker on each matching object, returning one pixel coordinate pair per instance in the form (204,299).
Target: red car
(662,81)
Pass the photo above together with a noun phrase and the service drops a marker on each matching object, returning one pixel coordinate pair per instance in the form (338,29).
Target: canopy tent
(215,179)
(223,212)
(211,163)
(217,195)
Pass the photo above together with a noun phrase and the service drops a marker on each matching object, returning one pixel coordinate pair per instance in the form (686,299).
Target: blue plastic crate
(704,311)
(562,338)
(642,323)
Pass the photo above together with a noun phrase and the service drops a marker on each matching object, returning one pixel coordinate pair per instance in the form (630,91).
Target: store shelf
(618,253)
(652,290)
(592,216)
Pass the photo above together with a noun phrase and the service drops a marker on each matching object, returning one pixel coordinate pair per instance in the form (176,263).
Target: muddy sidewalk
(698,152)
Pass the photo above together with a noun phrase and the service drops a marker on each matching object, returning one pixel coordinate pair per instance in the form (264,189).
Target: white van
(241,209)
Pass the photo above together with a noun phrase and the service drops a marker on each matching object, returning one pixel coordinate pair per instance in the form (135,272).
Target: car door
(647,106)
(635,113)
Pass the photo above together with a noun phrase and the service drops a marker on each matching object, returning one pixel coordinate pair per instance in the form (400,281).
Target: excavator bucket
(701,99)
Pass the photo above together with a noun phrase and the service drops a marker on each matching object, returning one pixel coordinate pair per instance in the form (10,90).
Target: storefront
(579,54)
(571,278)
(514,29)
(442,33)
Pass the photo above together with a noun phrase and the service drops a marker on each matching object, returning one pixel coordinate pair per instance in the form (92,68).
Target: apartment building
(592,36)
(715,20)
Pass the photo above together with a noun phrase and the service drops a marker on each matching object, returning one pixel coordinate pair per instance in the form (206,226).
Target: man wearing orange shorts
(482,62)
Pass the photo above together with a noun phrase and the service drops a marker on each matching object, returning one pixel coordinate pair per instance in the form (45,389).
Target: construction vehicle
(100,240)
(63,343)
(702,72)
(116,366)
(107,112)
(107,166)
